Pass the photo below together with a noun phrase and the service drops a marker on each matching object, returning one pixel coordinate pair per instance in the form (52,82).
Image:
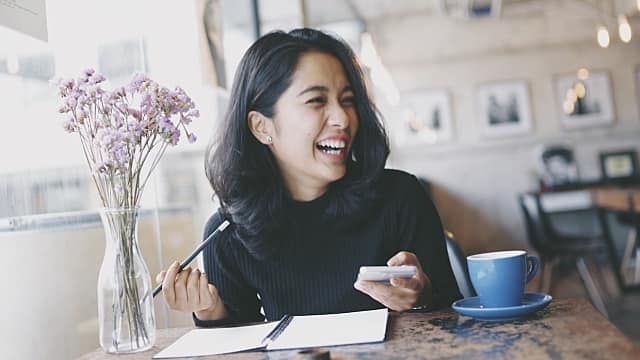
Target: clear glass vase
(125,300)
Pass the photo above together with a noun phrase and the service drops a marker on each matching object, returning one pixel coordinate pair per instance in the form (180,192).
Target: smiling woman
(298,167)
(311,153)
(302,90)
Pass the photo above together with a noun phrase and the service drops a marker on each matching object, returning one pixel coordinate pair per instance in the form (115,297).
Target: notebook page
(201,342)
(333,329)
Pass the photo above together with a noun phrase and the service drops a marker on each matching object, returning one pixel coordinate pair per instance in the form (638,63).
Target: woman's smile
(334,148)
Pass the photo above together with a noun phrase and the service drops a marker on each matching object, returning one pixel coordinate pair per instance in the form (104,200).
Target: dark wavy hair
(243,172)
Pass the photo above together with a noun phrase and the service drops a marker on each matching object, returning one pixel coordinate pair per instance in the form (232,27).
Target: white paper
(333,329)
(26,16)
(200,342)
(303,331)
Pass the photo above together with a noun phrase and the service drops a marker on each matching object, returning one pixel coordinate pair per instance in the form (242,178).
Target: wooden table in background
(569,328)
(616,198)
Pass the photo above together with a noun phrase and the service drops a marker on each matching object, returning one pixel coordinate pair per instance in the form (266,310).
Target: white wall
(477,178)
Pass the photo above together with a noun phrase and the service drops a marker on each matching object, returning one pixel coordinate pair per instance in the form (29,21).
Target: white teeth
(332,152)
(335,144)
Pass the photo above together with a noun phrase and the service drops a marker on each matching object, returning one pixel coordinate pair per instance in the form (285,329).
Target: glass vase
(125,300)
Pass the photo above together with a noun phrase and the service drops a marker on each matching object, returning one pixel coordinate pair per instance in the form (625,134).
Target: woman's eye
(316,100)
(348,100)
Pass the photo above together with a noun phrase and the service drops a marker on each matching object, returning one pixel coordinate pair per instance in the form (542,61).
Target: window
(42,169)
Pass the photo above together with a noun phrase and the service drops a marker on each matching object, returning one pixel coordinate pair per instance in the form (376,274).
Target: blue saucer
(531,302)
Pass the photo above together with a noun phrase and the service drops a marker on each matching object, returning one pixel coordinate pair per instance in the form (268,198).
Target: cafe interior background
(472,93)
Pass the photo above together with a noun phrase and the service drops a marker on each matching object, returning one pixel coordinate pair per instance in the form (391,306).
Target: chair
(630,264)
(459,266)
(553,247)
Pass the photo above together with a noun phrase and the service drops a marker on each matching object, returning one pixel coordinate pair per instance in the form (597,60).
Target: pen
(277,330)
(197,251)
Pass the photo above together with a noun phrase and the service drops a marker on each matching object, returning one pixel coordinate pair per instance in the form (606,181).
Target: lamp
(603,36)
(624,30)
(608,11)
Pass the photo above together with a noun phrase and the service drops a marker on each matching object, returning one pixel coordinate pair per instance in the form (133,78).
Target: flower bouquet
(124,133)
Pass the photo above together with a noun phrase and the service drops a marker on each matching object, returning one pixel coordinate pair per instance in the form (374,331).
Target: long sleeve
(221,266)
(314,271)
(421,232)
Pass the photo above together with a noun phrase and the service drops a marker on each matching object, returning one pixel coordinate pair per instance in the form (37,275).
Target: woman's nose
(339,117)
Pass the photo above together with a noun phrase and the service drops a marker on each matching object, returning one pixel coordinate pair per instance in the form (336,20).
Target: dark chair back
(458,263)
(536,221)
(551,244)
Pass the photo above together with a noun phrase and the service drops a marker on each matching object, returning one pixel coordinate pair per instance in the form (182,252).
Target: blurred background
(514,113)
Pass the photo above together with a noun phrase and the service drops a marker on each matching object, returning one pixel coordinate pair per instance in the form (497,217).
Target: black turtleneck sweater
(316,271)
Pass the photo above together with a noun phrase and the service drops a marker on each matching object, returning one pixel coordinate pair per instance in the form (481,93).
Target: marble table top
(566,329)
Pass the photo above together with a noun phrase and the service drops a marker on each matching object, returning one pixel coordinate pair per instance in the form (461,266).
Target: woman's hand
(403,293)
(189,291)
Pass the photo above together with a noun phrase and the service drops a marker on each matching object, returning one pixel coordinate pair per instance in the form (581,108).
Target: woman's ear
(261,127)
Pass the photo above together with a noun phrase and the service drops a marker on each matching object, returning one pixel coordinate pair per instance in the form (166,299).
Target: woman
(299,171)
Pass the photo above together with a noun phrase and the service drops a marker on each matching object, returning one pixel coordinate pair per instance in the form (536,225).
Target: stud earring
(269,139)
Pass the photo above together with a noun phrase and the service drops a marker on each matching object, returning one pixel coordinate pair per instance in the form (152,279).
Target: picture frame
(584,102)
(504,108)
(556,165)
(426,117)
(619,165)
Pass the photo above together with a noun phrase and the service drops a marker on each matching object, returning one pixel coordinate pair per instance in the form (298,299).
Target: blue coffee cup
(499,277)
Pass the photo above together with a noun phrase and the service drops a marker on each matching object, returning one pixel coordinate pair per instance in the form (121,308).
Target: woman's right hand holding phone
(189,291)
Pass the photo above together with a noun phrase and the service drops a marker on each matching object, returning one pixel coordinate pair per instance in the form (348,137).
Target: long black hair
(243,172)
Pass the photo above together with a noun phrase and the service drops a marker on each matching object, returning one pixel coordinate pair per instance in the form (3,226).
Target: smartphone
(385,273)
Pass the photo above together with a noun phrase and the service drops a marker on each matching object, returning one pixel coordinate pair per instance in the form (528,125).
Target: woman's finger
(168,284)
(193,288)
(182,298)
(160,276)
(203,289)
(404,258)
(412,283)
(379,291)
(395,298)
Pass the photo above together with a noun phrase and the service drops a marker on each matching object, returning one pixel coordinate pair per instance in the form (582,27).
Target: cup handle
(532,267)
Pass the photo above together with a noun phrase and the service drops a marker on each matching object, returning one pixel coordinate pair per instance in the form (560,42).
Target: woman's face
(314,125)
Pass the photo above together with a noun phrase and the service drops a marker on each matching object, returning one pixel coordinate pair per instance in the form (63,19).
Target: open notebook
(289,333)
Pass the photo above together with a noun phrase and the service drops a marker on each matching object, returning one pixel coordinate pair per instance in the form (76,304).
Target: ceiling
(329,11)
(319,12)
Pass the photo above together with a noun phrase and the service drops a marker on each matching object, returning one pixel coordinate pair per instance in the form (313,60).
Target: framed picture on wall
(584,100)
(426,117)
(619,166)
(556,165)
(503,108)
